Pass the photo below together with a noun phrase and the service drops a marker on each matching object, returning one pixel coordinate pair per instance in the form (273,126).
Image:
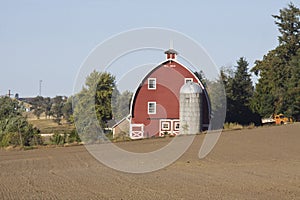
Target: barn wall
(169,79)
(121,129)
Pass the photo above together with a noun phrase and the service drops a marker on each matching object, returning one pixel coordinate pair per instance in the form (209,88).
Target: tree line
(57,108)
(14,127)
(277,91)
(278,87)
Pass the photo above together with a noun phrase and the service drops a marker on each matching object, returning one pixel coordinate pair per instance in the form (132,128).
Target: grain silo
(190,108)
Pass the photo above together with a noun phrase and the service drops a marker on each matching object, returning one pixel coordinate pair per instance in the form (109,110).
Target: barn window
(187,80)
(176,126)
(151,83)
(151,107)
(165,126)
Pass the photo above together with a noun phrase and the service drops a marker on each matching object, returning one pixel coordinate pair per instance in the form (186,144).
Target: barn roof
(119,122)
(149,73)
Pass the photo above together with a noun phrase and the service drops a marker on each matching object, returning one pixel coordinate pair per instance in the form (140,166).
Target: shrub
(58,139)
(73,136)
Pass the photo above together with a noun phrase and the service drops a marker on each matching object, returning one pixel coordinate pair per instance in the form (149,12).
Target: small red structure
(155,104)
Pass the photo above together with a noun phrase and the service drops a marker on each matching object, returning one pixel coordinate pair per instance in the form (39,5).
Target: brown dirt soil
(261,163)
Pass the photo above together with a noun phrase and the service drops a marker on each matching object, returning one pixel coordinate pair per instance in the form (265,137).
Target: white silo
(190,108)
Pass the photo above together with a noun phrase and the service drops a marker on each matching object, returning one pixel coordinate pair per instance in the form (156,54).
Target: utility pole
(40,88)
(9,93)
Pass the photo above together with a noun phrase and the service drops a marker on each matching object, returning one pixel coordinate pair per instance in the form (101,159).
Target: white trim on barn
(127,118)
(136,131)
(151,109)
(158,65)
(172,127)
(151,83)
(188,80)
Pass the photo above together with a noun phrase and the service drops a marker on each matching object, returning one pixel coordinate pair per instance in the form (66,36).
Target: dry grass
(236,126)
(232,126)
(48,126)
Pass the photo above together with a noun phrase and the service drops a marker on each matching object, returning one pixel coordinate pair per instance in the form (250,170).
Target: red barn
(155,104)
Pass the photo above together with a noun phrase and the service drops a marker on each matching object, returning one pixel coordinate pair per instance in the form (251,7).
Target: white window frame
(175,125)
(165,129)
(186,80)
(149,80)
(154,111)
(149,103)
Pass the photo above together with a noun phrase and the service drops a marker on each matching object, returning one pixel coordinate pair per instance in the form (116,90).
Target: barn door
(136,131)
(168,126)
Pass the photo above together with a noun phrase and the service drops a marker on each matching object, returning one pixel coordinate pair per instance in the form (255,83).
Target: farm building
(169,100)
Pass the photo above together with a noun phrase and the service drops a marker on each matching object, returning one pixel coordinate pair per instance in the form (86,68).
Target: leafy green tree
(42,105)
(94,99)
(14,128)
(73,136)
(8,107)
(57,108)
(104,89)
(47,104)
(58,139)
(67,110)
(38,103)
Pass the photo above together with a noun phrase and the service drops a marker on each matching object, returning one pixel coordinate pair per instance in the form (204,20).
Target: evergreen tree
(201,76)
(275,71)
(217,100)
(293,94)
(239,91)
(241,84)
(289,26)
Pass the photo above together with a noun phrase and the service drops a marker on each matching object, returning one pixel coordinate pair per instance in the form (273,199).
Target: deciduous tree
(94,98)
(14,128)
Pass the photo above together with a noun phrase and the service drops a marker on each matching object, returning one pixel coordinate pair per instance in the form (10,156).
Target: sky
(49,40)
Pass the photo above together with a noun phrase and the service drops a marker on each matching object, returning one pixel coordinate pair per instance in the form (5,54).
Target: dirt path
(262,163)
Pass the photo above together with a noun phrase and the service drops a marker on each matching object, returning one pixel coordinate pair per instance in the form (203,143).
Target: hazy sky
(49,40)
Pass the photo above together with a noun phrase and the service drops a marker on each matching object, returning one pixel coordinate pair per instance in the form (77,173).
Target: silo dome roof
(190,88)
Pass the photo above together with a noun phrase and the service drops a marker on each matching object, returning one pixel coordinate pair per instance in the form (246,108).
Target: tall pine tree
(275,71)
(293,93)
(241,84)
(239,91)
